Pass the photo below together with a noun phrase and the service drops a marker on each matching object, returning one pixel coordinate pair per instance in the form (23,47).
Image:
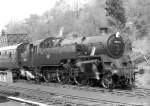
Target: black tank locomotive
(79,60)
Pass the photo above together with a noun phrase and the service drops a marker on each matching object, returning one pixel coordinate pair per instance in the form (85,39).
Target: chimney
(103,30)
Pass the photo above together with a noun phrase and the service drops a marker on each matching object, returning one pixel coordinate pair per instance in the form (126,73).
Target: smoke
(142,46)
(143,80)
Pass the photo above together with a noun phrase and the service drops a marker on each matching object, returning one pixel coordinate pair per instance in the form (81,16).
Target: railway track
(61,99)
(137,92)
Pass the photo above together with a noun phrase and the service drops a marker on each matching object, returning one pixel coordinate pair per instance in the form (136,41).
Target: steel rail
(48,97)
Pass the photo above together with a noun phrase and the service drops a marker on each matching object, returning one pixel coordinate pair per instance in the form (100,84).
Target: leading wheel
(107,81)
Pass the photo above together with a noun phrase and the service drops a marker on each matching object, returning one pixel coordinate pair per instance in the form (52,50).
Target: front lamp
(115,71)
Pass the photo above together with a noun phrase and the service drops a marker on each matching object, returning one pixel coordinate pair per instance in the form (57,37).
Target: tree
(137,12)
(16,33)
(89,19)
(116,13)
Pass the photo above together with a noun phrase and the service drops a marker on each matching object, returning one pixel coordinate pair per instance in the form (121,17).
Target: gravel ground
(94,95)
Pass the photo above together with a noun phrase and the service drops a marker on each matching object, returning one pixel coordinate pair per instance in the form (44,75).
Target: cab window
(46,44)
(5,52)
(10,54)
(35,49)
(24,48)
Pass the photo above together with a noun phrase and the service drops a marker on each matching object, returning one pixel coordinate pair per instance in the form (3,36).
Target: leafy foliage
(137,12)
(116,13)
(87,19)
(84,20)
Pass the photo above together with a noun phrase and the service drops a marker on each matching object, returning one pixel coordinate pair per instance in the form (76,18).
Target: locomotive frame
(81,60)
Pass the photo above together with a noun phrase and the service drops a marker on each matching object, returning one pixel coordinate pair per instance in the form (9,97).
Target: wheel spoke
(76,81)
(63,78)
(46,77)
(58,78)
(49,77)
(81,81)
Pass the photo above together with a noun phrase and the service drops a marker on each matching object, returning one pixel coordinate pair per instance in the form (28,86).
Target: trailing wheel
(107,81)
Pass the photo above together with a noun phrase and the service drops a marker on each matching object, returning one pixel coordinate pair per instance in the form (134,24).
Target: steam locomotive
(91,60)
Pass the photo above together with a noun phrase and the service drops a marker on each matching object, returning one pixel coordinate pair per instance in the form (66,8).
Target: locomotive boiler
(91,60)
